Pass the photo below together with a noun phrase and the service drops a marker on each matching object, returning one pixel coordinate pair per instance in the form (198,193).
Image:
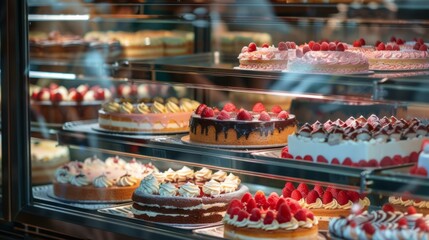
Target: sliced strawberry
(284,214)
(341,47)
(269,218)
(421,171)
(381,47)
(200,108)
(316,47)
(303,188)
(234,212)
(372,163)
(301,215)
(353,196)
(264,116)
(423,47)
(251,204)
(332,46)
(293,205)
(290,186)
(327,197)
(282,46)
(318,189)
(312,197)
(342,198)
(306,49)
(265,45)
(244,115)
(286,193)
(229,107)
(207,113)
(386,161)
(251,47)
(362,42)
(347,162)
(388,208)
(276,109)
(321,159)
(273,199)
(280,202)
(324,46)
(308,158)
(283,115)
(296,194)
(411,210)
(242,215)
(368,228)
(255,215)
(357,44)
(246,197)
(335,161)
(258,107)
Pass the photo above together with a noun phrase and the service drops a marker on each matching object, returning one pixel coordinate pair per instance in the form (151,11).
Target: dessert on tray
(403,203)
(274,217)
(327,58)
(422,166)
(325,203)
(382,224)
(185,196)
(233,126)
(360,142)
(265,57)
(95,180)
(156,117)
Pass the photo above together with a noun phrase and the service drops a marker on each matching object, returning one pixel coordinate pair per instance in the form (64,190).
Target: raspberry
(207,113)
(264,116)
(242,215)
(357,44)
(332,46)
(340,47)
(251,204)
(342,198)
(292,45)
(283,115)
(321,159)
(246,197)
(362,42)
(269,218)
(276,109)
(347,162)
(289,186)
(282,46)
(411,210)
(316,47)
(324,46)
(200,108)
(251,47)
(388,208)
(386,161)
(258,107)
(265,45)
(301,215)
(284,214)
(244,116)
(255,215)
(223,115)
(327,197)
(423,47)
(368,228)
(296,194)
(312,197)
(381,47)
(311,44)
(229,107)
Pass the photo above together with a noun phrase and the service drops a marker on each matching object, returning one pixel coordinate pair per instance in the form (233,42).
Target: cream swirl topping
(212,188)
(317,204)
(229,186)
(170,175)
(231,177)
(126,107)
(158,108)
(102,182)
(189,190)
(160,176)
(203,175)
(79,180)
(184,174)
(219,176)
(149,185)
(142,108)
(111,107)
(348,205)
(332,205)
(126,181)
(167,189)
(62,175)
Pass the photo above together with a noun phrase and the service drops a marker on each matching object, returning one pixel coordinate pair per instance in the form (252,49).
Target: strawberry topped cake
(274,217)
(233,126)
(265,57)
(360,142)
(360,46)
(325,203)
(327,58)
(382,224)
(404,203)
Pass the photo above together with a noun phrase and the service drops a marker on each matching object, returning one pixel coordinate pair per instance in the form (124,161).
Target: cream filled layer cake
(185,196)
(381,224)
(404,204)
(265,57)
(141,117)
(274,217)
(328,58)
(325,203)
(241,127)
(359,142)
(95,180)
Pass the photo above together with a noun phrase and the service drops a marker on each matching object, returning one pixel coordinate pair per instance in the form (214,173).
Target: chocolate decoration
(242,128)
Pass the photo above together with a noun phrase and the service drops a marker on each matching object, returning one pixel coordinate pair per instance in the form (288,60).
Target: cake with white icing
(95,180)
(265,57)
(185,196)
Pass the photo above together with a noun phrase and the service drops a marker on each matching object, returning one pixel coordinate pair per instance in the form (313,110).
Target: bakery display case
(214,119)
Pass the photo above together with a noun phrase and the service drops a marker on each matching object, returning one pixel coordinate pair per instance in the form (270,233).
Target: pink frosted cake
(265,57)
(359,142)
(328,58)
(156,117)
(390,57)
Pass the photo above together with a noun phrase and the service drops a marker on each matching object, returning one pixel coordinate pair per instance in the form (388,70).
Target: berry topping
(260,199)
(362,42)
(335,161)
(258,107)
(393,39)
(372,163)
(233,212)
(265,45)
(388,208)
(316,47)
(276,109)
(324,46)
(353,196)
(282,46)
(423,47)
(296,194)
(311,44)
(340,47)
(301,215)
(318,189)
(400,41)
(321,159)
(308,158)
(280,202)
(246,197)
(421,41)
(251,47)
(347,162)
(417,46)
(293,205)
(284,214)
(283,115)
(381,47)
(332,46)
(244,115)
(411,210)
(251,204)
(422,171)
(389,47)
(357,44)
(306,49)
(342,198)
(223,115)
(303,188)
(377,43)
(286,193)
(56,97)
(310,215)
(264,116)
(272,200)
(255,215)
(402,222)
(242,215)
(368,228)
(386,161)
(235,204)
(289,186)
(200,108)
(269,218)
(352,224)
(327,197)
(229,107)
(420,223)
(312,197)
(207,113)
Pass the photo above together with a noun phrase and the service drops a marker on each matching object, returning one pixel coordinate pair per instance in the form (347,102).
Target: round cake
(240,127)
(403,203)
(274,217)
(151,118)
(328,58)
(185,196)
(265,57)
(97,180)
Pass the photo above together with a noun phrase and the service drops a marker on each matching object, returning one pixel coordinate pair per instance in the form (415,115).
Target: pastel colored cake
(358,142)
(152,118)
(381,224)
(274,217)
(241,127)
(97,180)
(185,196)
(265,57)
(328,58)
(325,203)
(390,57)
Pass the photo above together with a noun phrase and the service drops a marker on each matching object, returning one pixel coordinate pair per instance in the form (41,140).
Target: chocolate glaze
(242,128)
